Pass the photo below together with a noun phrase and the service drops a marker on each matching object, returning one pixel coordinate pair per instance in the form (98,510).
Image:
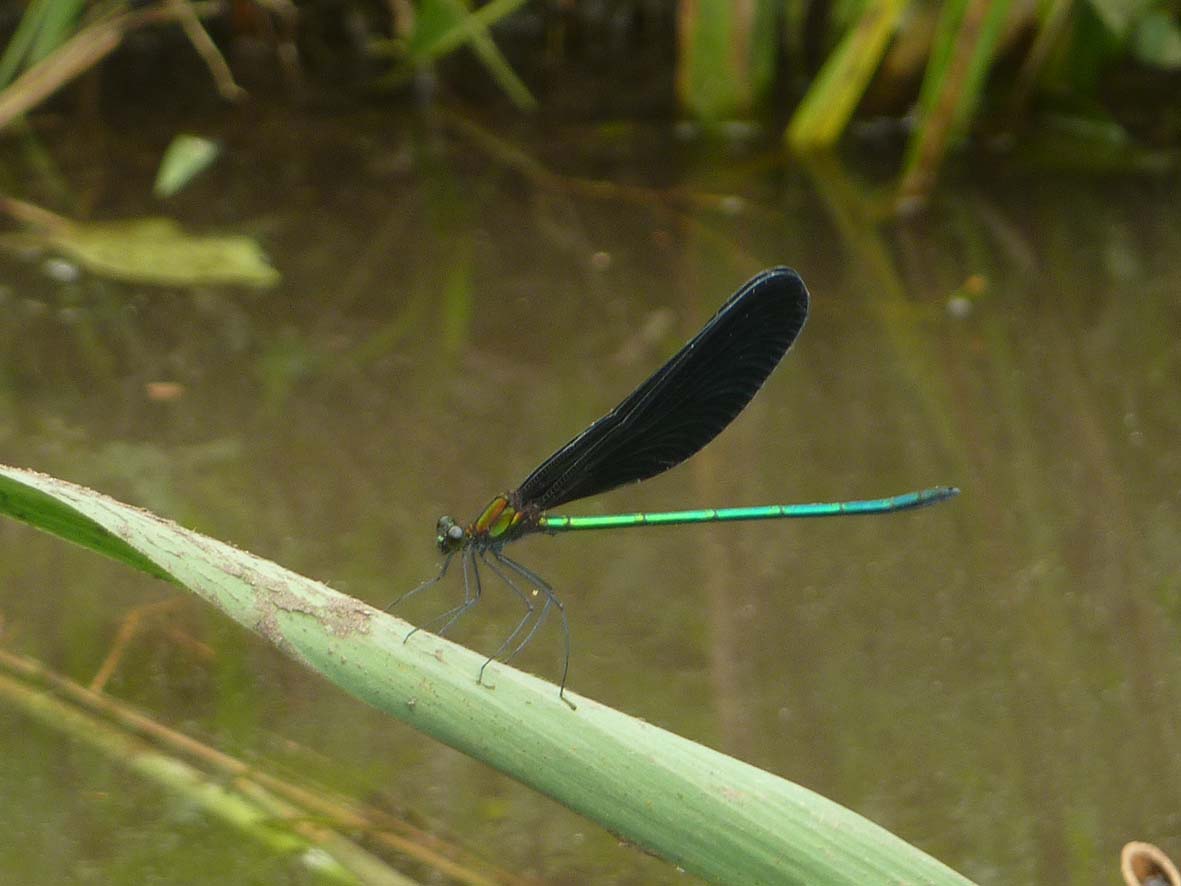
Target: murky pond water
(996,679)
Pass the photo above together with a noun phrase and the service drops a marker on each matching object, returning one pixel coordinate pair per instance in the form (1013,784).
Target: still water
(995,679)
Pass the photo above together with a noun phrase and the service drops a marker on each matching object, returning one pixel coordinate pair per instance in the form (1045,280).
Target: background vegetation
(1101,73)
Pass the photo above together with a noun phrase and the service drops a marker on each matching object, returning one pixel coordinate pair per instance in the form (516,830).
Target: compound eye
(450,536)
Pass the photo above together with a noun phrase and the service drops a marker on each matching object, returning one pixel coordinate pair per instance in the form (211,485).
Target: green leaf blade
(708,813)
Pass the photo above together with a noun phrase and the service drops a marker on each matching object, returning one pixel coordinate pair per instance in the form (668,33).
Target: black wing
(686,403)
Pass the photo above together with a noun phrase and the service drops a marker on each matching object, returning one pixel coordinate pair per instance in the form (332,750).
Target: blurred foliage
(967,66)
(185,158)
(826,109)
(965,44)
(156,250)
(45,25)
(727,55)
(144,250)
(439,27)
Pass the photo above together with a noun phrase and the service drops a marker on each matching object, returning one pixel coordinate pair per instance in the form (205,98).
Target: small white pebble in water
(61,270)
(600,261)
(910,205)
(740,130)
(959,307)
(732,204)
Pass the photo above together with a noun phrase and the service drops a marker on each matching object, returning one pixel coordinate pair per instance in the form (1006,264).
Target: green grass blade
(20,45)
(57,26)
(445,25)
(825,111)
(23,500)
(710,814)
(45,25)
(965,43)
(725,56)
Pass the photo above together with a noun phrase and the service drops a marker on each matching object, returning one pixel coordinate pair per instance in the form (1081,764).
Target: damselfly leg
(504,568)
(551,598)
(430,582)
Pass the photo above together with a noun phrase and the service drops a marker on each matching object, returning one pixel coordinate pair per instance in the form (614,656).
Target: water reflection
(994,679)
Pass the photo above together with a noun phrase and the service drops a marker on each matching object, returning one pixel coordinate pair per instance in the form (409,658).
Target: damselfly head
(449,535)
